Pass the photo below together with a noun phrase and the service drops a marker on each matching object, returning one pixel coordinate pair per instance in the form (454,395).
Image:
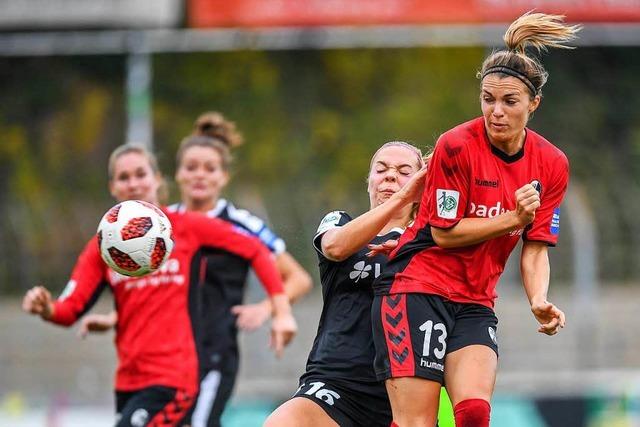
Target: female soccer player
(490,182)
(203,162)
(339,386)
(157,374)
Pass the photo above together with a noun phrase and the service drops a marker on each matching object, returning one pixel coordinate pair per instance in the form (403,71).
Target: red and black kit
(468,178)
(154,337)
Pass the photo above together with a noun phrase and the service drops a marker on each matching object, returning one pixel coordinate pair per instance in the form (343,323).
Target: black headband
(513,73)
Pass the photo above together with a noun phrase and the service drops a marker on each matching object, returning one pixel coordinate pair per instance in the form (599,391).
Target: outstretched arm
(97,323)
(296,282)
(340,243)
(535,270)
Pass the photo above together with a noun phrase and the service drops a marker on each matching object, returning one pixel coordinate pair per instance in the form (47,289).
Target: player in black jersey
(339,386)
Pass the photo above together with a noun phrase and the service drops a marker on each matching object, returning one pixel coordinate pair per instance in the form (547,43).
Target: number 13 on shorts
(440,347)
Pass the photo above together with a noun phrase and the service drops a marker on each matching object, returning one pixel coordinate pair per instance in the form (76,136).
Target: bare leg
(299,412)
(414,401)
(470,375)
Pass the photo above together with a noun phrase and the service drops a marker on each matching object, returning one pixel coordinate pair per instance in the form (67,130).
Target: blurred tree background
(311,120)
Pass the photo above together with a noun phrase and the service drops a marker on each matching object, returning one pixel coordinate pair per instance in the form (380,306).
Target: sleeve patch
(555,222)
(447,203)
(330,221)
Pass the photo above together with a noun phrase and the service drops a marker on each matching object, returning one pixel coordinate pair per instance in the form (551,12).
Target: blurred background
(315,86)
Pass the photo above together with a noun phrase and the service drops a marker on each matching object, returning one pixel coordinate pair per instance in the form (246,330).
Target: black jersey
(219,285)
(343,347)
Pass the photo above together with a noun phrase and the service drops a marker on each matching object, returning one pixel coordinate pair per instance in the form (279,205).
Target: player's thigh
(470,373)
(299,412)
(414,398)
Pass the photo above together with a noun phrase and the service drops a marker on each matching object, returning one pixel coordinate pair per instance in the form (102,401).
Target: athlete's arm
(82,291)
(340,243)
(97,323)
(470,231)
(535,270)
(296,282)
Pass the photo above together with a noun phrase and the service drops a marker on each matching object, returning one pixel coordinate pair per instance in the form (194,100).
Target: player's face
(392,167)
(201,175)
(506,107)
(134,179)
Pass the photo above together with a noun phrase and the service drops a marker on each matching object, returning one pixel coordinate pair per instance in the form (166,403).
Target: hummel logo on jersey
(361,270)
(447,203)
(487,183)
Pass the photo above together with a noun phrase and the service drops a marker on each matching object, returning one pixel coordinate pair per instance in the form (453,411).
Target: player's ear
(534,104)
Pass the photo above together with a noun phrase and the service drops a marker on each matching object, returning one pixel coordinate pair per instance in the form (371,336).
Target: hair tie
(513,73)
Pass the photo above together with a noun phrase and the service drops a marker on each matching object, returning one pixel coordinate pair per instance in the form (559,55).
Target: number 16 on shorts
(317,389)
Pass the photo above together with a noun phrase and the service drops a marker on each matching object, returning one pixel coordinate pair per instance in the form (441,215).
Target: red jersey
(154,338)
(470,178)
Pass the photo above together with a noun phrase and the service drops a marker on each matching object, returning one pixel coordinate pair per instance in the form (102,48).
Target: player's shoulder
(461,137)
(226,210)
(333,219)
(547,150)
(182,221)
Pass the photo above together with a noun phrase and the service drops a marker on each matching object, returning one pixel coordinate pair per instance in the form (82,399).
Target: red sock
(472,413)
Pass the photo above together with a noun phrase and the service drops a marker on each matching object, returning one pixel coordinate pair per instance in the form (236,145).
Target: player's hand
(251,316)
(412,191)
(38,301)
(550,317)
(527,202)
(97,323)
(283,329)
(382,249)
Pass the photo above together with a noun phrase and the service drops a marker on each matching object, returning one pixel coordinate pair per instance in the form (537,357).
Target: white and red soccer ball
(135,238)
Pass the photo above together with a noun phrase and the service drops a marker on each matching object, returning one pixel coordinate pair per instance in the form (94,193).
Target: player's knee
(472,413)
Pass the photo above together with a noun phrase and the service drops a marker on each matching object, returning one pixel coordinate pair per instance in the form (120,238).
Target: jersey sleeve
(256,226)
(331,220)
(216,233)
(88,280)
(546,225)
(447,186)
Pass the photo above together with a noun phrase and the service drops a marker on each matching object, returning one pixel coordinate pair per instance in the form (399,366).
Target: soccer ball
(134,238)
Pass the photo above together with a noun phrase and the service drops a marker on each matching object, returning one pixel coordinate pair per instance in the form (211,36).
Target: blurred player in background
(203,163)
(490,182)
(339,386)
(157,376)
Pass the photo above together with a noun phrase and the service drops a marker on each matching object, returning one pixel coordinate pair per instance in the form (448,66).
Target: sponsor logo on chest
(168,274)
(362,270)
(486,211)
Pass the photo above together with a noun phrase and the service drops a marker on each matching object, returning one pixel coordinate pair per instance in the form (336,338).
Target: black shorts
(215,391)
(152,406)
(414,332)
(348,403)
